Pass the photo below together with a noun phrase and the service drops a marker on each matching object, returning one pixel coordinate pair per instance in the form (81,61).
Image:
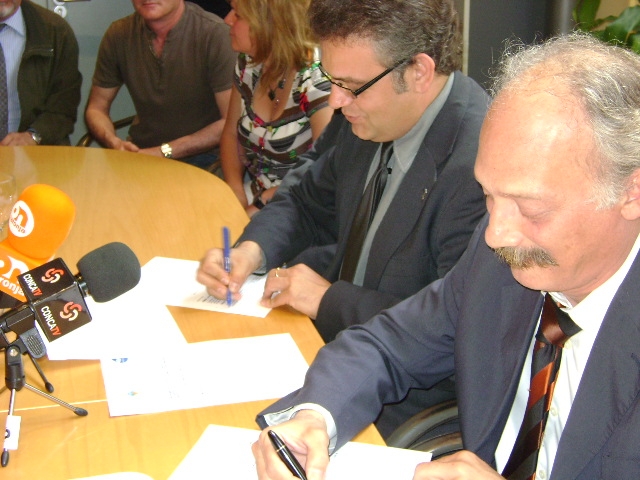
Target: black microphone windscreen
(109,271)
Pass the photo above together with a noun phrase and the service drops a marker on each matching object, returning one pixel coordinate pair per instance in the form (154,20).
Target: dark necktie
(364,215)
(4,96)
(555,329)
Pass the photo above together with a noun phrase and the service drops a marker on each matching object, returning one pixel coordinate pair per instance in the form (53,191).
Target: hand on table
(299,287)
(462,465)
(306,436)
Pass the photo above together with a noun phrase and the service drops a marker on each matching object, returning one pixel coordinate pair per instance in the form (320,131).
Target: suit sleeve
(302,215)
(409,345)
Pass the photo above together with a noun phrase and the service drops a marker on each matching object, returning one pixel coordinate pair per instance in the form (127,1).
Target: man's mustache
(524,258)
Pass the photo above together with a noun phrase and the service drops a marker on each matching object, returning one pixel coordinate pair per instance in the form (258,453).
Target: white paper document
(216,372)
(174,281)
(130,324)
(225,452)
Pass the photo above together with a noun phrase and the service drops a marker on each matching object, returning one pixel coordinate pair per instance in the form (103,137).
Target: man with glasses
(394,66)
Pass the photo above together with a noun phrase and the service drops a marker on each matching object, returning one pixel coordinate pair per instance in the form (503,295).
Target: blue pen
(227,259)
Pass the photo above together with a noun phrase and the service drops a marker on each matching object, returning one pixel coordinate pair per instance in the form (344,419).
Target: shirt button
(542,474)
(553,411)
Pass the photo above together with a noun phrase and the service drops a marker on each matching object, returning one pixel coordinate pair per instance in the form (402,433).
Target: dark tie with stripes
(364,215)
(4,96)
(555,329)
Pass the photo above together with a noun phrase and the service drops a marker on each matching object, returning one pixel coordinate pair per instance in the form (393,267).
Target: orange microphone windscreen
(40,221)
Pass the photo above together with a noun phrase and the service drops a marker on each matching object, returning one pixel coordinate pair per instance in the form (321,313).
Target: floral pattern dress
(270,149)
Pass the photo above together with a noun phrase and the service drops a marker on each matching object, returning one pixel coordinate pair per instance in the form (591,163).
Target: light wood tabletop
(157,207)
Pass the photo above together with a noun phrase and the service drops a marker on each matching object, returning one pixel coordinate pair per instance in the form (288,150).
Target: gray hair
(399,29)
(605,80)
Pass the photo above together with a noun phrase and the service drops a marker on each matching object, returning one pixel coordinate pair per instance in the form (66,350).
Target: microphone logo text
(21,222)
(31,283)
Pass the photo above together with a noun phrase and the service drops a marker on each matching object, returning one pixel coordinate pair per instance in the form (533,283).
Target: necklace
(272,91)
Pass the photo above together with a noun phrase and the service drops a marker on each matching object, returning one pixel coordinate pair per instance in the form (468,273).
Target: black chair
(434,430)
(87,139)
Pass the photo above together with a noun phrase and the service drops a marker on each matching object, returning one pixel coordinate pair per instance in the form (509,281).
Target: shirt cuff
(285,415)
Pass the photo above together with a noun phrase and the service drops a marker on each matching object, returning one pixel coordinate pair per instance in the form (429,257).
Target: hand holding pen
(286,456)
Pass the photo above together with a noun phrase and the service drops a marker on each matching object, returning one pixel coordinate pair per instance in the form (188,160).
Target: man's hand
(245,259)
(462,465)
(18,139)
(306,436)
(299,287)
(116,143)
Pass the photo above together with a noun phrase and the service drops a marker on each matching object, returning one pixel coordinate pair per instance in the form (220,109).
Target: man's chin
(535,278)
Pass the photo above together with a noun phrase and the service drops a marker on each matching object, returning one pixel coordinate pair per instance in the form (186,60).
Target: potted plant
(622,29)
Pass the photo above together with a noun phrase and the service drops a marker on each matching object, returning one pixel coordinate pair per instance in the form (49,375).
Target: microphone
(55,297)
(40,221)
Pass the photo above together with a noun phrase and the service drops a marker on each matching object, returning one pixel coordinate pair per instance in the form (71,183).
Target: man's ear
(631,205)
(423,70)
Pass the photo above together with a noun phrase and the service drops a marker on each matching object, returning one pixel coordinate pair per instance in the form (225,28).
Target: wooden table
(157,207)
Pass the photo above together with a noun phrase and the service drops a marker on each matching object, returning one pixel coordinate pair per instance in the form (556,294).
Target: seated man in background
(559,162)
(404,91)
(40,75)
(177,63)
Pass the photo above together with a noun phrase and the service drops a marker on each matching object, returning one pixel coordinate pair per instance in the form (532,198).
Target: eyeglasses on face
(367,85)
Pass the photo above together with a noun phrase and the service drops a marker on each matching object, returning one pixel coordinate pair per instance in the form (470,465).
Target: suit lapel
(411,198)
(494,380)
(609,385)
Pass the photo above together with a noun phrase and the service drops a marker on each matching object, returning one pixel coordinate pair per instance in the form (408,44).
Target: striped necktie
(555,329)
(4,96)
(364,215)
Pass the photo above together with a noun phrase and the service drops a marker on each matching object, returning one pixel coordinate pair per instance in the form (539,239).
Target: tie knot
(386,150)
(556,326)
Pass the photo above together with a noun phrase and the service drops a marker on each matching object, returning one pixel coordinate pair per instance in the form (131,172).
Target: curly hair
(399,29)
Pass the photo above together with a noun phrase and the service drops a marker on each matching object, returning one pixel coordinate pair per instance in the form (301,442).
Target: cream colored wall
(614,7)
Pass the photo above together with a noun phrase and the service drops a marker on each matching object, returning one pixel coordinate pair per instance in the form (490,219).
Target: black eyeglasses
(367,85)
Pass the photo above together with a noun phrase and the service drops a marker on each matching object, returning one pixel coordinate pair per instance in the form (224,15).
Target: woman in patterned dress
(278,104)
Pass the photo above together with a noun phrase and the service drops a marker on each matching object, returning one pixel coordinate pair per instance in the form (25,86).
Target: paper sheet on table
(225,452)
(129,324)
(174,281)
(202,374)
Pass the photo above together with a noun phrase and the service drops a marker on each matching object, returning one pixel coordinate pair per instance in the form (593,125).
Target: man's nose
(504,229)
(339,97)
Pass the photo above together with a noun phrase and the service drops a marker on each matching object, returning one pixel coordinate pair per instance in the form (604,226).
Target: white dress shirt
(588,315)
(13,38)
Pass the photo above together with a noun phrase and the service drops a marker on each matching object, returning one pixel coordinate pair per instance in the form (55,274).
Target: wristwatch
(35,135)
(258,203)
(166,150)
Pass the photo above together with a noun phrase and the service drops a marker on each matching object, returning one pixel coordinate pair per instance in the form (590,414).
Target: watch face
(166,150)
(36,136)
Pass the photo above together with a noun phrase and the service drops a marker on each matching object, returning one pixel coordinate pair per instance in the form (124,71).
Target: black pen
(286,456)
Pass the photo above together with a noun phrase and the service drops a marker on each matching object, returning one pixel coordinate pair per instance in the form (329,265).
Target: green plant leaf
(585,13)
(634,42)
(622,27)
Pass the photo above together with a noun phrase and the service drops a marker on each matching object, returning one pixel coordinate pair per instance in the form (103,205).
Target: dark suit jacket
(422,235)
(478,321)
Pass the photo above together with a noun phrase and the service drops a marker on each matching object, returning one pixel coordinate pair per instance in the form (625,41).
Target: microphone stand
(15,380)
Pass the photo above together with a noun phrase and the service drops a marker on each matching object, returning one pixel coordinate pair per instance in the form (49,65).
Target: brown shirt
(173,94)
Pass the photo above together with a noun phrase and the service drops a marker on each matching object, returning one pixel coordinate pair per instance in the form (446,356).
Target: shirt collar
(596,304)
(16,22)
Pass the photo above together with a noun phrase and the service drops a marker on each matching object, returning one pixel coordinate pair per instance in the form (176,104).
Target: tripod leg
(4,460)
(47,384)
(81,412)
